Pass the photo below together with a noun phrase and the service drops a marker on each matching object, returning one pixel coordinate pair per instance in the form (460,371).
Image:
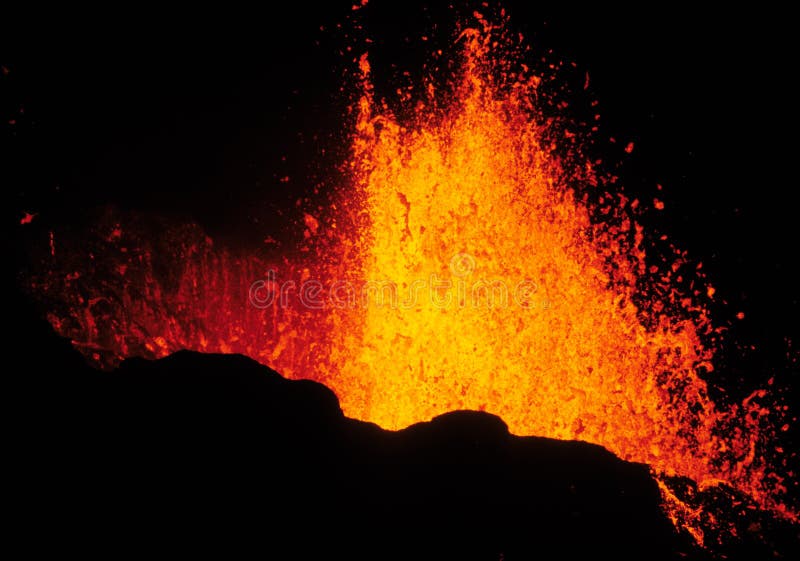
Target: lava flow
(461,267)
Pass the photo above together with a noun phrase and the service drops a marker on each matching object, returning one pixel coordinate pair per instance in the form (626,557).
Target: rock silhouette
(200,453)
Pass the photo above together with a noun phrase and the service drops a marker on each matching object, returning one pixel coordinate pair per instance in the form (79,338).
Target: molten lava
(462,267)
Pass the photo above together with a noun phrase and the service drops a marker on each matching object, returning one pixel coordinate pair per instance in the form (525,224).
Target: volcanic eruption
(472,257)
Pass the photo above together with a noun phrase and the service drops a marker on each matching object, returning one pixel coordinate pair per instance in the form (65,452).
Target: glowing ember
(462,268)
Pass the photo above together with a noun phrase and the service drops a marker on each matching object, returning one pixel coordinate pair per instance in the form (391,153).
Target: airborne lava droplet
(311,223)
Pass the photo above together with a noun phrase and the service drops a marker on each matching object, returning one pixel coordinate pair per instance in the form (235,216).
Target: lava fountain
(471,261)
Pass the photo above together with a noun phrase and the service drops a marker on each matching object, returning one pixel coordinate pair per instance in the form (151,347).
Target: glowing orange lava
(462,268)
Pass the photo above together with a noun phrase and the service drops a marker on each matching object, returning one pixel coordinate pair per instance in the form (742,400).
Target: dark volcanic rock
(194,452)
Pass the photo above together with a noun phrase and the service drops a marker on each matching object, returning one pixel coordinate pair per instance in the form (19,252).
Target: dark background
(198,115)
